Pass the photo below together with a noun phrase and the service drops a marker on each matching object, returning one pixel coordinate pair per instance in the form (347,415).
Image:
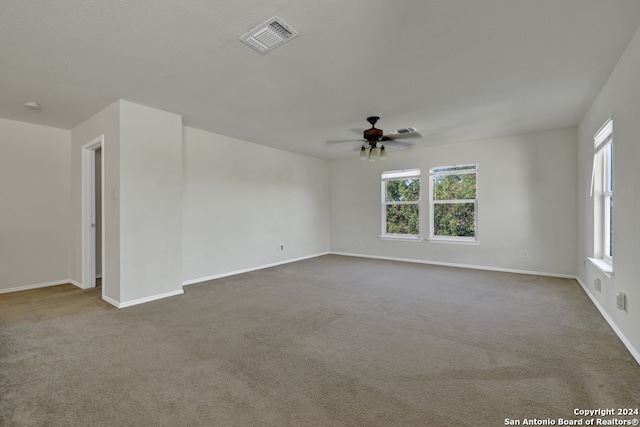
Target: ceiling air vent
(269,35)
(401,131)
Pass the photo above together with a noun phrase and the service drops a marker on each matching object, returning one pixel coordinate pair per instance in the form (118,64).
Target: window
(607,194)
(453,203)
(602,193)
(401,203)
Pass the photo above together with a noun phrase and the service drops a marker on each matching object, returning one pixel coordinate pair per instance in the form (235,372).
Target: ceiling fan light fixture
(373,139)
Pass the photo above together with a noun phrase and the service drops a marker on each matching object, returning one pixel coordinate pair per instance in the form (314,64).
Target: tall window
(454,203)
(607,195)
(602,191)
(401,203)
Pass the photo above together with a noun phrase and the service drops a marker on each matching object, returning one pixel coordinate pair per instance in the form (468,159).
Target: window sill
(603,266)
(401,238)
(454,241)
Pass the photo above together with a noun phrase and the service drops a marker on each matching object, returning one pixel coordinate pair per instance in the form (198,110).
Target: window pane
(405,190)
(454,219)
(454,187)
(403,219)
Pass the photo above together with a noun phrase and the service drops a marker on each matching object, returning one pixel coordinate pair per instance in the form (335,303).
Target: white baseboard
(451,264)
(246,270)
(111,301)
(74,283)
(38,285)
(143,300)
(635,353)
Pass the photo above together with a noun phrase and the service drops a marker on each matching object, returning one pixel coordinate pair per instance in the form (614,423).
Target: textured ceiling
(455,69)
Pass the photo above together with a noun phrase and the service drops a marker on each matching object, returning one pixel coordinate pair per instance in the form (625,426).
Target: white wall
(34,204)
(142,154)
(107,123)
(242,201)
(620,99)
(150,202)
(526,201)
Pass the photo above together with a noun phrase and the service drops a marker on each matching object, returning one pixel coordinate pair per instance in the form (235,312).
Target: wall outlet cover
(620,300)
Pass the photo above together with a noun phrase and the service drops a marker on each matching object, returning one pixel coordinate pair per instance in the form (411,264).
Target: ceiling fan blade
(340,141)
(395,136)
(397,143)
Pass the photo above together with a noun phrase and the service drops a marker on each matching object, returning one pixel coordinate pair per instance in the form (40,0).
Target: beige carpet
(330,341)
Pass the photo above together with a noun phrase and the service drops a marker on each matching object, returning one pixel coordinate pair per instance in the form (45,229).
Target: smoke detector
(269,35)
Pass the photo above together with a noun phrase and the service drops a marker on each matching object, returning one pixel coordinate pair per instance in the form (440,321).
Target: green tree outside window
(402,206)
(453,197)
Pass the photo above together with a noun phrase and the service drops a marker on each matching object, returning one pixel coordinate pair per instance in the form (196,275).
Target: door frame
(89,213)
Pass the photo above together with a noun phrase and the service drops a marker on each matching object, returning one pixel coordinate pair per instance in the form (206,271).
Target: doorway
(93,214)
(98,211)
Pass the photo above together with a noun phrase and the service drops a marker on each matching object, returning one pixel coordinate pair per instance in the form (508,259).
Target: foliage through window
(401,203)
(453,202)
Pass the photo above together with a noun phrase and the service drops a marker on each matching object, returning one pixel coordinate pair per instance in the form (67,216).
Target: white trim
(451,169)
(249,269)
(455,240)
(89,214)
(635,353)
(604,135)
(401,237)
(76,284)
(143,300)
(405,173)
(601,138)
(602,265)
(452,264)
(39,285)
(111,301)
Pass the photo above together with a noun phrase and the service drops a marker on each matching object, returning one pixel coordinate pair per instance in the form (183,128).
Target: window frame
(607,202)
(602,184)
(467,168)
(399,175)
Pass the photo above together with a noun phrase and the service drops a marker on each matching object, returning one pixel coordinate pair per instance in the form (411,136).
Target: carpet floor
(329,341)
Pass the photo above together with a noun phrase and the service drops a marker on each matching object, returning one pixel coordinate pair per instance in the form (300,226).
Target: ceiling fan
(374,138)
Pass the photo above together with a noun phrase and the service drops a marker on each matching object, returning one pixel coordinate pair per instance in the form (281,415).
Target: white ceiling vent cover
(402,131)
(269,35)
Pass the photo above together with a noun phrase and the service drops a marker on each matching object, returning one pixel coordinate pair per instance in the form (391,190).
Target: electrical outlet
(281,248)
(525,254)
(621,300)
(597,284)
